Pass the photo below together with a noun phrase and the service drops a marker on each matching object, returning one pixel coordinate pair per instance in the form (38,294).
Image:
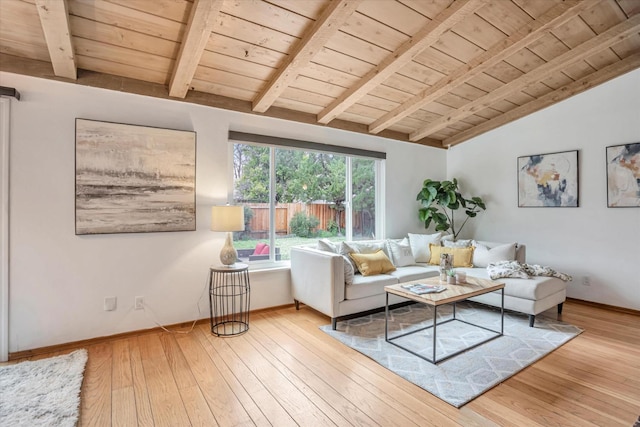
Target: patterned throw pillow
(462,243)
(504,269)
(371,264)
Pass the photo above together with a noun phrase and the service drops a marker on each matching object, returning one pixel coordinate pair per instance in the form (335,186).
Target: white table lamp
(227,218)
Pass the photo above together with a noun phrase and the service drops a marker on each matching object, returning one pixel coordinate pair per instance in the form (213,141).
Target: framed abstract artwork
(623,175)
(134,179)
(548,180)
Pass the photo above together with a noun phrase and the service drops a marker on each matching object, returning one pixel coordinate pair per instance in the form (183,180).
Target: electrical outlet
(110,303)
(586,281)
(138,303)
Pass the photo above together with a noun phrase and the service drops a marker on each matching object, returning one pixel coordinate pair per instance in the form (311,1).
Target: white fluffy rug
(42,393)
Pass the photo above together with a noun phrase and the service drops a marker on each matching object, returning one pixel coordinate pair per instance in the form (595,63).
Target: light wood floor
(285,371)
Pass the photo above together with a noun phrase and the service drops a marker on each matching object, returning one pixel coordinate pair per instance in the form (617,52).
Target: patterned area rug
(466,376)
(42,393)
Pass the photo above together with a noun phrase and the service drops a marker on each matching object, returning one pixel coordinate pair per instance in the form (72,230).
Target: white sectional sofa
(318,280)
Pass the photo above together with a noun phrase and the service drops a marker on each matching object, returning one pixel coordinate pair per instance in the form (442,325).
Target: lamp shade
(227,218)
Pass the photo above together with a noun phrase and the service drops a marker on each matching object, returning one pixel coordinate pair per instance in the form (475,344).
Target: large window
(293,196)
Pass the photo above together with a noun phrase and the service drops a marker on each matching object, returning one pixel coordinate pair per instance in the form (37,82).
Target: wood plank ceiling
(434,72)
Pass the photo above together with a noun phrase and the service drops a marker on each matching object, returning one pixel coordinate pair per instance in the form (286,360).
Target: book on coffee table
(423,288)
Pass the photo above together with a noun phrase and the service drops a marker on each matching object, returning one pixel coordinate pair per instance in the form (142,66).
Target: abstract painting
(623,176)
(548,180)
(134,179)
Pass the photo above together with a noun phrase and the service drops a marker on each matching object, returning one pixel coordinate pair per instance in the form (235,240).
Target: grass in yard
(284,243)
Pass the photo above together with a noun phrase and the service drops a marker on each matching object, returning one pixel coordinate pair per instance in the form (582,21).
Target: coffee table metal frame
(421,299)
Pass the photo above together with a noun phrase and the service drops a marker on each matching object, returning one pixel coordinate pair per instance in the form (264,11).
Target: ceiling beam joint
(528,34)
(329,22)
(202,19)
(592,80)
(590,47)
(54,19)
(427,36)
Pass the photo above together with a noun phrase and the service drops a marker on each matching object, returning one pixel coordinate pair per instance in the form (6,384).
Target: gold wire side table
(229,293)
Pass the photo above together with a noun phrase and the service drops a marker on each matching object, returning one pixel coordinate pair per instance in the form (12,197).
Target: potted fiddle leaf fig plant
(438,202)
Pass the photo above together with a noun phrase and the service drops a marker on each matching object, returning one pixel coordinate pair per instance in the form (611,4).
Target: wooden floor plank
(167,407)
(377,376)
(123,402)
(322,385)
(194,402)
(386,403)
(95,407)
(140,391)
(285,368)
(123,408)
(259,403)
(121,365)
(536,409)
(563,390)
(222,402)
(290,397)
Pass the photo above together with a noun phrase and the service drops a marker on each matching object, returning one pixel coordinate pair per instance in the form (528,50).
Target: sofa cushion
(420,245)
(401,254)
(366,286)
(488,252)
(414,272)
(371,264)
(461,256)
(259,247)
(534,288)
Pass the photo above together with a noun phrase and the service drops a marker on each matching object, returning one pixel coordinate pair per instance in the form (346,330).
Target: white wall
(58,280)
(590,241)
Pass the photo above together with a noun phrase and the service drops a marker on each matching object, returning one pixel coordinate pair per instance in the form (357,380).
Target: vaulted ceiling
(434,72)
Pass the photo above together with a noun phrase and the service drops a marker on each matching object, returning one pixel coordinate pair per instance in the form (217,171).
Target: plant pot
(461,277)
(451,280)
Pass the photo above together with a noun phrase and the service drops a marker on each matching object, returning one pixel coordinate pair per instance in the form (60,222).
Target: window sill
(259,267)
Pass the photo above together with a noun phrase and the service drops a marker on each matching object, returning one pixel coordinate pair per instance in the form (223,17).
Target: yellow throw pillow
(461,256)
(371,264)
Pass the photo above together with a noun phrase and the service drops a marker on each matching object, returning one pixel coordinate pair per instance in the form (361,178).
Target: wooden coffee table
(453,294)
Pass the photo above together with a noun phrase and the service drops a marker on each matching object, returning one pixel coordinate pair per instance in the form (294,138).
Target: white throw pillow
(349,272)
(401,254)
(367,246)
(327,245)
(345,250)
(420,245)
(485,253)
(349,269)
